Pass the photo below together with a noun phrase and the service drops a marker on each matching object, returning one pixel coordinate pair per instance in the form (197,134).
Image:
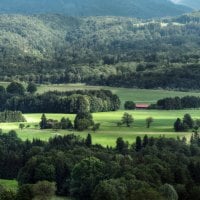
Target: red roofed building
(142,106)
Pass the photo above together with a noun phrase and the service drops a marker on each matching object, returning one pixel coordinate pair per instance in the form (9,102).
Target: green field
(136,95)
(109,132)
(9,184)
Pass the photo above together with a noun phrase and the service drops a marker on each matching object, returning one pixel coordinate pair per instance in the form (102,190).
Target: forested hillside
(133,8)
(195,4)
(114,51)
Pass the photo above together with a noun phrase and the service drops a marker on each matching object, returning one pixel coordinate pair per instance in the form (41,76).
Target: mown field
(136,95)
(109,132)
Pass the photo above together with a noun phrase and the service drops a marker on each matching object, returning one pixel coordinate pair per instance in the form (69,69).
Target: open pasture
(125,94)
(109,131)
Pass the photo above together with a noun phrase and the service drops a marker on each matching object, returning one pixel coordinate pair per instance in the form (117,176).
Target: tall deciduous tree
(127,119)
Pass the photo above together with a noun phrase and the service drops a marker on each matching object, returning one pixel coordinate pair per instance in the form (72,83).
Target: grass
(125,94)
(9,184)
(109,132)
(13,185)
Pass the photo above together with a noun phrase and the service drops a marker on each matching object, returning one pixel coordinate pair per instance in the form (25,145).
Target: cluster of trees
(14,98)
(43,190)
(82,170)
(82,121)
(111,51)
(178,103)
(16,88)
(128,120)
(129,105)
(186,123)
(12,116)
(65,123)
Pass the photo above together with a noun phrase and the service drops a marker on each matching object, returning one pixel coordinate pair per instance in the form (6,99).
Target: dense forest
(156,169)
(113,51)
(131,8)
(15,97)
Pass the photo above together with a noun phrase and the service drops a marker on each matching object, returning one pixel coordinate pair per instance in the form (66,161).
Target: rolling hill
(195,4)
(131,8)
(115,51)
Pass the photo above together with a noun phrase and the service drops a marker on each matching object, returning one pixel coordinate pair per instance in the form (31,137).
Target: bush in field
(83,121)
(129,105)
(127,119)
(149,121)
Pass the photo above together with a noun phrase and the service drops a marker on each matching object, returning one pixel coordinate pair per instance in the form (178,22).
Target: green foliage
(121,146)
(91,173)
(177,103)
(85,176)
(138,144)
(7,194)
(149,121)
(83,121)
(44,190)
(15,88)
(187,119)
(127,119)
(96,127)
(12,116)
(43,123)
(88,140)
(169,192)
(21,126)
(185,124)
(106,190)
(129,105)
(25,192)
(169,59)
(32,88)
(65,102)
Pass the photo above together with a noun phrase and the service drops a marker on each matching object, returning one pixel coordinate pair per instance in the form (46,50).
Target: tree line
(75,167)
(80,101)
(178,103)
(11,116)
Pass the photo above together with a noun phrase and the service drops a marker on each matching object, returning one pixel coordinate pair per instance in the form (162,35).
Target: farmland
(109,131)
(125,94)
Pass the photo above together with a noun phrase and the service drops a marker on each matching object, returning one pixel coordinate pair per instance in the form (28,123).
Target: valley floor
(109,131)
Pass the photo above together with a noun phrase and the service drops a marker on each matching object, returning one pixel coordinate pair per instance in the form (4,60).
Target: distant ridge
(195,4)
(131,8)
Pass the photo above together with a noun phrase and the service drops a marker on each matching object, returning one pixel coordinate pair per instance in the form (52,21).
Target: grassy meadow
(125,94)
(11,184)
(109,132)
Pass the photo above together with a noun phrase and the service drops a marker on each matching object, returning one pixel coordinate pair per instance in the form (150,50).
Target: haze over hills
(195,4)
(131,8)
